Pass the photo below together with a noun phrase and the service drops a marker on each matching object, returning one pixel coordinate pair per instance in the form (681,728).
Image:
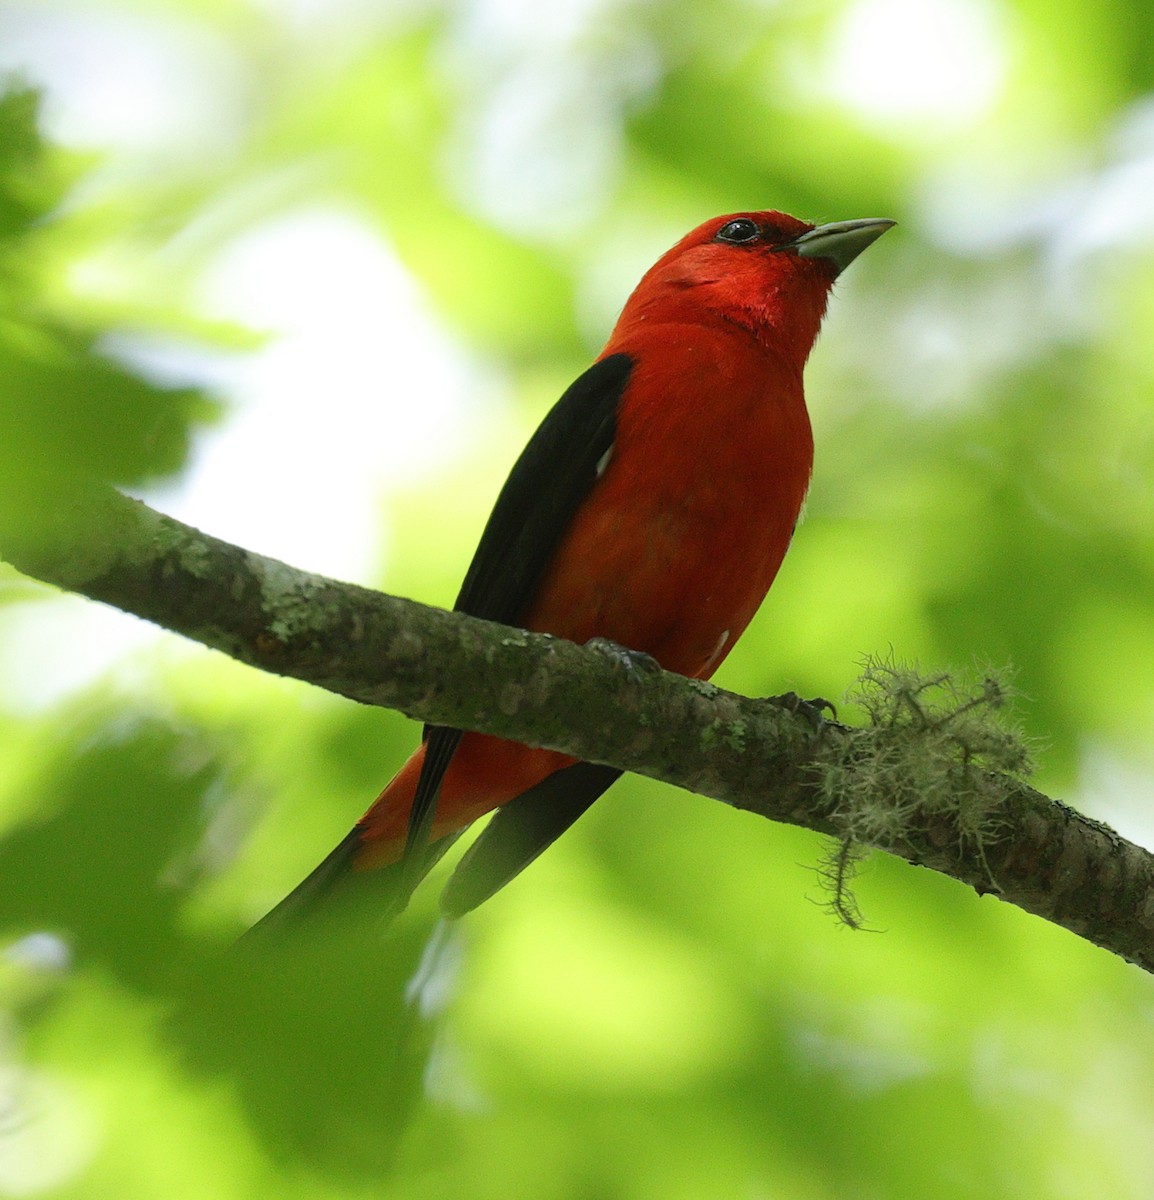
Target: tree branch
(912,785)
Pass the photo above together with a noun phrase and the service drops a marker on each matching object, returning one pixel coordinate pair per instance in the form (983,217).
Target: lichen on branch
(936,747)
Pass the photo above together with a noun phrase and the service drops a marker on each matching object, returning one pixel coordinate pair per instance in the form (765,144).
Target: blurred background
(307,273)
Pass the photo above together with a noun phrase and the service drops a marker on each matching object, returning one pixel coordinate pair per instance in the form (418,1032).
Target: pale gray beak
(840,241)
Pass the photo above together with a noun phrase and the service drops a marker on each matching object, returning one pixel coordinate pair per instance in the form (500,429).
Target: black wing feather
(519,831)
(545,488)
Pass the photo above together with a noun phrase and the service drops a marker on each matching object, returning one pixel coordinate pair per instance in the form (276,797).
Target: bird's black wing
(519,831)
(545,488)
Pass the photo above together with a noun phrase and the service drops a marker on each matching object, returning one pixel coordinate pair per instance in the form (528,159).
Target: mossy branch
(932,778)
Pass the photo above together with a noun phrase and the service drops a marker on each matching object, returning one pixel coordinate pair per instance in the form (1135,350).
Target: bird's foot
(812,711)
(635,662)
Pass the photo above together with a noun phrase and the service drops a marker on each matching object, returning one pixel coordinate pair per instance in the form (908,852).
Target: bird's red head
(765,271)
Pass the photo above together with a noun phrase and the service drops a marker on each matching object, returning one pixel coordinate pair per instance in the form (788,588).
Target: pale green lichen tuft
(934,746)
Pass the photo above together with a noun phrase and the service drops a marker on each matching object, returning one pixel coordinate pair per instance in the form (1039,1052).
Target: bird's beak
(840,241)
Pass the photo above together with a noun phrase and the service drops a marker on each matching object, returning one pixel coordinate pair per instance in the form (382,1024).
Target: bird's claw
(635,662)
(812,710)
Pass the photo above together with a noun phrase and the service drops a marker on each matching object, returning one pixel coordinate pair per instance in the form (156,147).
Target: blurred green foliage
(661,1007)
(65,405)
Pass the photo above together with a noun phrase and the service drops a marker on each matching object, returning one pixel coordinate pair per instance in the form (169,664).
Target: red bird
(652,508)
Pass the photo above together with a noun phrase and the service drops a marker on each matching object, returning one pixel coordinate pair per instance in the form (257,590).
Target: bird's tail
(336,882)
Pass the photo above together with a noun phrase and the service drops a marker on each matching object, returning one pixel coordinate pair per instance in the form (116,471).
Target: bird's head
(765,271)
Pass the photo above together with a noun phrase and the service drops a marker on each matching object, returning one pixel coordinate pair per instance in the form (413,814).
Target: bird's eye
(740,231)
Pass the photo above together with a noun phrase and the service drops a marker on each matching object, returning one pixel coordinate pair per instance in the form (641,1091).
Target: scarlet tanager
(652,508)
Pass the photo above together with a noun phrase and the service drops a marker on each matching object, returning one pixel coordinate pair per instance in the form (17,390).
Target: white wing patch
(604,460)
(715,653)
